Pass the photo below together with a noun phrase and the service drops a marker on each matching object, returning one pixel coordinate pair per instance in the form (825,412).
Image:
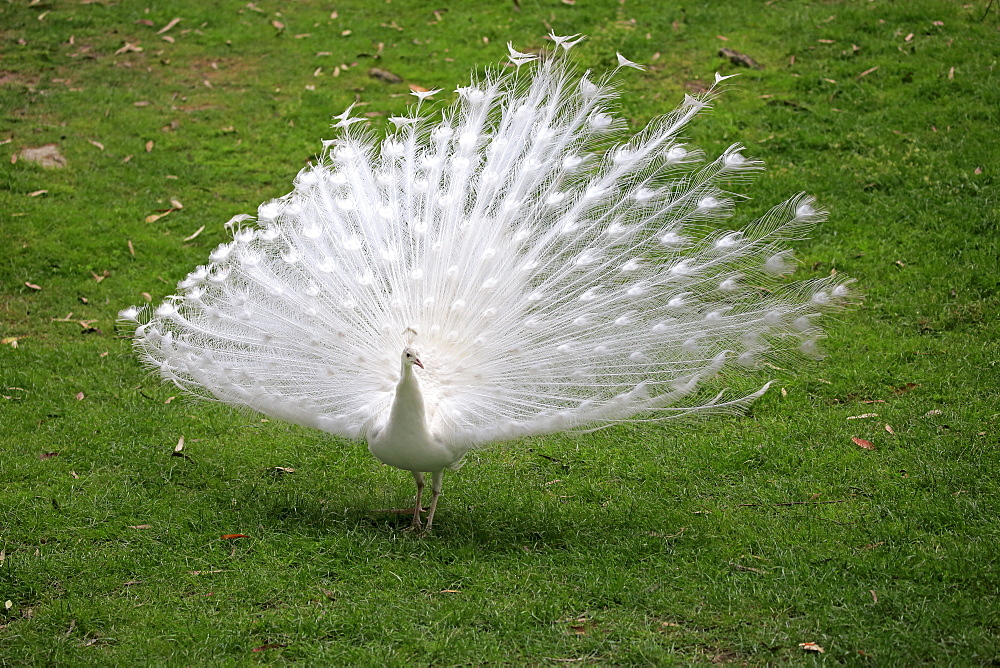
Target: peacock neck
(408,404)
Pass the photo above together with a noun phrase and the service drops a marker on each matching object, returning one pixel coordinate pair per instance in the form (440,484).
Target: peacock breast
(412,451)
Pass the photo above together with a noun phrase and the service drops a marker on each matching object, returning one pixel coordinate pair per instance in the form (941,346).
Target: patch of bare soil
(47,156)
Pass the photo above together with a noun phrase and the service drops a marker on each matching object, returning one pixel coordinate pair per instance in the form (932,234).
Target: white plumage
(552,273)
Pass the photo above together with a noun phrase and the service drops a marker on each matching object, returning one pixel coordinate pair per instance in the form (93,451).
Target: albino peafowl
(553,274)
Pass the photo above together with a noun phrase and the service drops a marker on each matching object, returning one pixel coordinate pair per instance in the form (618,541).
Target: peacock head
(410,358)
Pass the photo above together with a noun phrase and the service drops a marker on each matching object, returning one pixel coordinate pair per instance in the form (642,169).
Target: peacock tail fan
(554,272)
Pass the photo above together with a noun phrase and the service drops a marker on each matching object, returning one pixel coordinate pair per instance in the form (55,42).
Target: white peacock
(517,265)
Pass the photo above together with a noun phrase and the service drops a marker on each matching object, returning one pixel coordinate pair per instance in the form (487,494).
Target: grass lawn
(727,541)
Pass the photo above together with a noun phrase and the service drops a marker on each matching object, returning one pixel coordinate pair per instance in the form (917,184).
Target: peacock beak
(418,362)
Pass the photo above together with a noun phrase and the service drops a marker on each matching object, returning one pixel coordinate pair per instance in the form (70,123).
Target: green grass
(634,545)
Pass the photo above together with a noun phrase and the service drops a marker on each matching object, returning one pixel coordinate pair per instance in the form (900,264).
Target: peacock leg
(436,480)
(419,479)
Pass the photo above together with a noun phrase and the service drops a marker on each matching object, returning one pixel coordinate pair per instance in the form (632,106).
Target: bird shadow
(501,514)
(490,526)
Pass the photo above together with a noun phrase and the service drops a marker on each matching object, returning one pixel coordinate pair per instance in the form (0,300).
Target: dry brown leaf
(148,297)
(169,399)
(32,286)
(933,412)
(129,47)
(168,38)
(102,276)
(270,645)
(232,536)
(79,396)
(167,27)
(451,591)
(140,526)
(180,445)
(739,59)
(176,203)
(149,146)
(97,144)
(196,233)
(951,73)
(37,193)
(48,455)
(278,24)
(345,33)
(903,389)
(860,417)
(748,569)
(908,37)
(868,71)
(874,595)
(74,474)
(867,445)
(384,75)
(131,248)
(890,430)
(811,647)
